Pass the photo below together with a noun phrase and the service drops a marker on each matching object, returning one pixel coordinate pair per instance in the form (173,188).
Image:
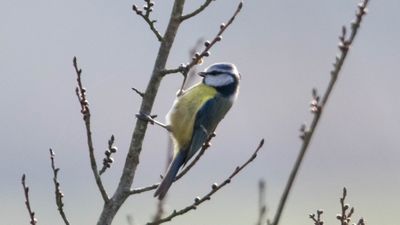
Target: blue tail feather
(170,175)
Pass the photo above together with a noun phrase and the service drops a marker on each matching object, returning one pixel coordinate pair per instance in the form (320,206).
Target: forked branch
(148,8)
(81,94)
(197,11)
(344,217)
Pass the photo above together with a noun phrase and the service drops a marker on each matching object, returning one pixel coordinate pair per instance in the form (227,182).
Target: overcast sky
(283,49)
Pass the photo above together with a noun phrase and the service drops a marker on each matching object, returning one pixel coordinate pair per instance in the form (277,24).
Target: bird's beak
(202,74)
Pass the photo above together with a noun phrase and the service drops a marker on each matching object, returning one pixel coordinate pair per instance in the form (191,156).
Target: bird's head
(220,75)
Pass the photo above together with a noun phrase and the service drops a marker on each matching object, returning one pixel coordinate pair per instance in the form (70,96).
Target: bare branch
(197,11)
(81,94)
(344,46)
(361,222)
(346,212)
(181,68)
(262,208)
(317,220)
(144,189)
(33,220)
(108,160)
(58,194)
(214,189)
(317,106)
(344,217)
(138,92)
(148,8)
(197,58)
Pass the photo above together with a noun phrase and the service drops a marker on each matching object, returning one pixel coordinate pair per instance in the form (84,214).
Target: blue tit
(196,113)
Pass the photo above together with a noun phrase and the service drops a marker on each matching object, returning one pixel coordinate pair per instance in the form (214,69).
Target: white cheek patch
(219,80)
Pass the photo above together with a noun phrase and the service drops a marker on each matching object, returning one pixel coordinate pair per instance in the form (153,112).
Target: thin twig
(33,220)
(344,46)
(81,94)
(344,216)
(58,194)
(317,219)
(144,189)
(180,69)
(214,189)
(197,11)
(361,221)
(346,212)
(262,208)
(148,8)
(185,68)
(191,76)
(138,92)
(108,160)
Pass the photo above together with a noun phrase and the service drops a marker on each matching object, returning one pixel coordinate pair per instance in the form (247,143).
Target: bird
(195,115)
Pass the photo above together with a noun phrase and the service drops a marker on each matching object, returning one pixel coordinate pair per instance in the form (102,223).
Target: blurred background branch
(262,206)
(344,217)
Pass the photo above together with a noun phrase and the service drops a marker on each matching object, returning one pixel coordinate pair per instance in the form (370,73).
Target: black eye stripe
(215,73)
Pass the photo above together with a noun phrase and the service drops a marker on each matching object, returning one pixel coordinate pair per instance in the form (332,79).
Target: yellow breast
(182,115)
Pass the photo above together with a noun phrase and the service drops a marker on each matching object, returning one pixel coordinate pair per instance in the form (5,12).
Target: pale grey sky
(282,48)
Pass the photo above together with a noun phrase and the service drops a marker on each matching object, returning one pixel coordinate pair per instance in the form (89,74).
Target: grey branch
(81,94)
(33,220)
(317,218)
(197,11)
(58,194)
(138,92)
(344,217)
(148,8)
(108,160)
(214,189)
(262,207)
(344,46)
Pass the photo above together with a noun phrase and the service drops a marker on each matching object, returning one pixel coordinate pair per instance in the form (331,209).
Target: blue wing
(207,119)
